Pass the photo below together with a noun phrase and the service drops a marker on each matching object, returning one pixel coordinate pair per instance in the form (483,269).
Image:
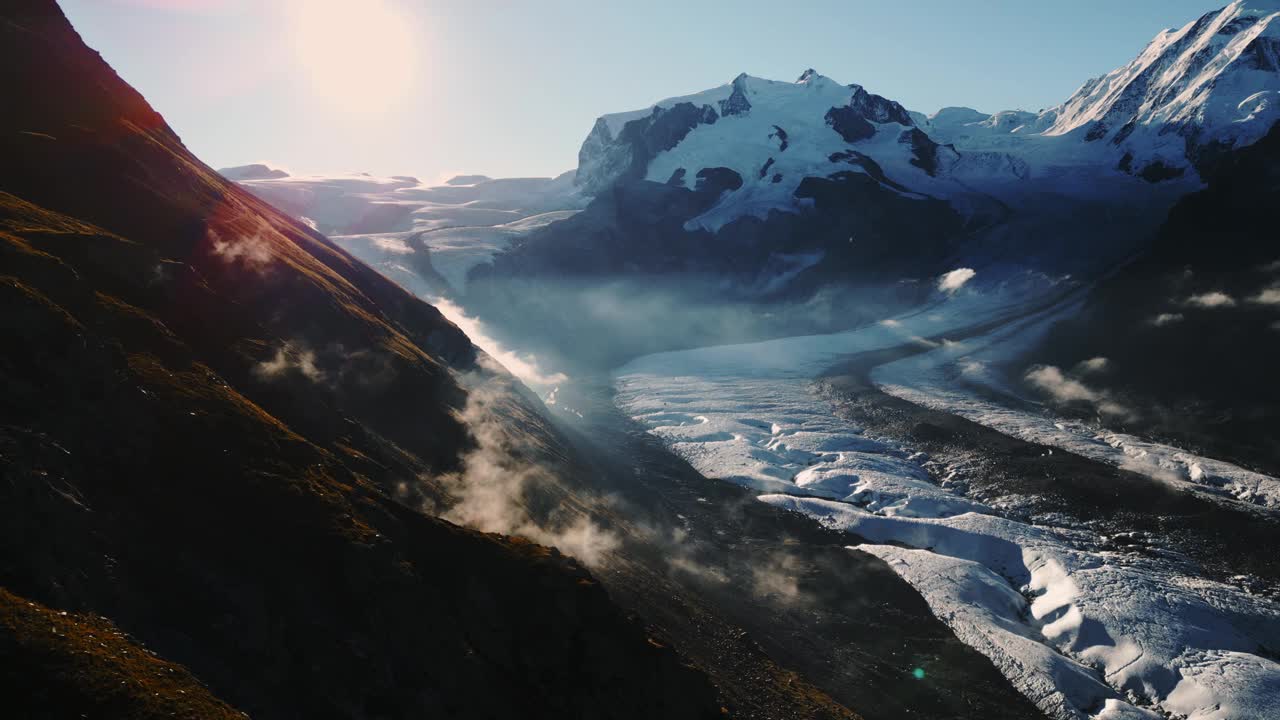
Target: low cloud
(334,366)
(498,476)
(954,280)
(686,565)
(1211,300)
(777,578)
(1092,365)
(253,251)
(1268,296)
(1164,319)
(393,245)
(972,368)
(290,358)
(1066,390)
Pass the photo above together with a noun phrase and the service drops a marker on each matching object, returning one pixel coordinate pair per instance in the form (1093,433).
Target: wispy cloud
(290,358)
(1267,296)
(777,577)
(253,251)
(1092,365)
(1210,300)
(954,280)
(1063,389)
(492,489)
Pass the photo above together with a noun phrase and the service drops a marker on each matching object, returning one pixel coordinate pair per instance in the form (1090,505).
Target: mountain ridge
(1191,94)
(218,432)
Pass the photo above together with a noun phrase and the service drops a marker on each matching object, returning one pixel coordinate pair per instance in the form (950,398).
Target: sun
(358,57)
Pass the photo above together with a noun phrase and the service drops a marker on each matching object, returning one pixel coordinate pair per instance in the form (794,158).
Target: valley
(787,401)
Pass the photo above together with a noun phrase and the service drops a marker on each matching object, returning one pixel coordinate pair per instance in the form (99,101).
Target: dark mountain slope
(57,665)
(206,414)
(1191,329)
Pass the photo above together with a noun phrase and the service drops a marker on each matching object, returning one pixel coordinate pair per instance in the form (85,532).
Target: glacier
(1084,629)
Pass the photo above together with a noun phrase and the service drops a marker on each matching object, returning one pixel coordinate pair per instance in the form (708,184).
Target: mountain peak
(808,76)
(1211,84)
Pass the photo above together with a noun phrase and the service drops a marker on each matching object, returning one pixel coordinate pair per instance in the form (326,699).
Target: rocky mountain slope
(1188,334)
(215,429)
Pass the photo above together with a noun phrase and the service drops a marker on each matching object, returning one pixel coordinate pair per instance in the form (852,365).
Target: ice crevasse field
(1083,630)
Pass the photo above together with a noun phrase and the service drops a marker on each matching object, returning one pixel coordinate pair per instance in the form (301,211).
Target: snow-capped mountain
(1214,83)
(1193,93)
(759,139)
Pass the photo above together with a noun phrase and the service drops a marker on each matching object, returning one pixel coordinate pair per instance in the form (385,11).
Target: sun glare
(356,56)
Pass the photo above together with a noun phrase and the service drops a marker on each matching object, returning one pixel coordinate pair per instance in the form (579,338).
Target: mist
(500,476)
(581,325)
(525,366)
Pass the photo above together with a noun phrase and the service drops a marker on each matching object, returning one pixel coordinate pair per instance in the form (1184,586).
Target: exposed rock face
(602,161)
(924,151)
(851,123)
(781,136)
(737,102)
(866,163)
(717,180)
(878,109)
(232,425)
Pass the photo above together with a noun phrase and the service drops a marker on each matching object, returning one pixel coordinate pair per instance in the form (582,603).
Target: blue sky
(439,87)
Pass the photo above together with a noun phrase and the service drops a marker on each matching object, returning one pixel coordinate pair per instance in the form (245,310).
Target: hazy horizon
(444,88)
